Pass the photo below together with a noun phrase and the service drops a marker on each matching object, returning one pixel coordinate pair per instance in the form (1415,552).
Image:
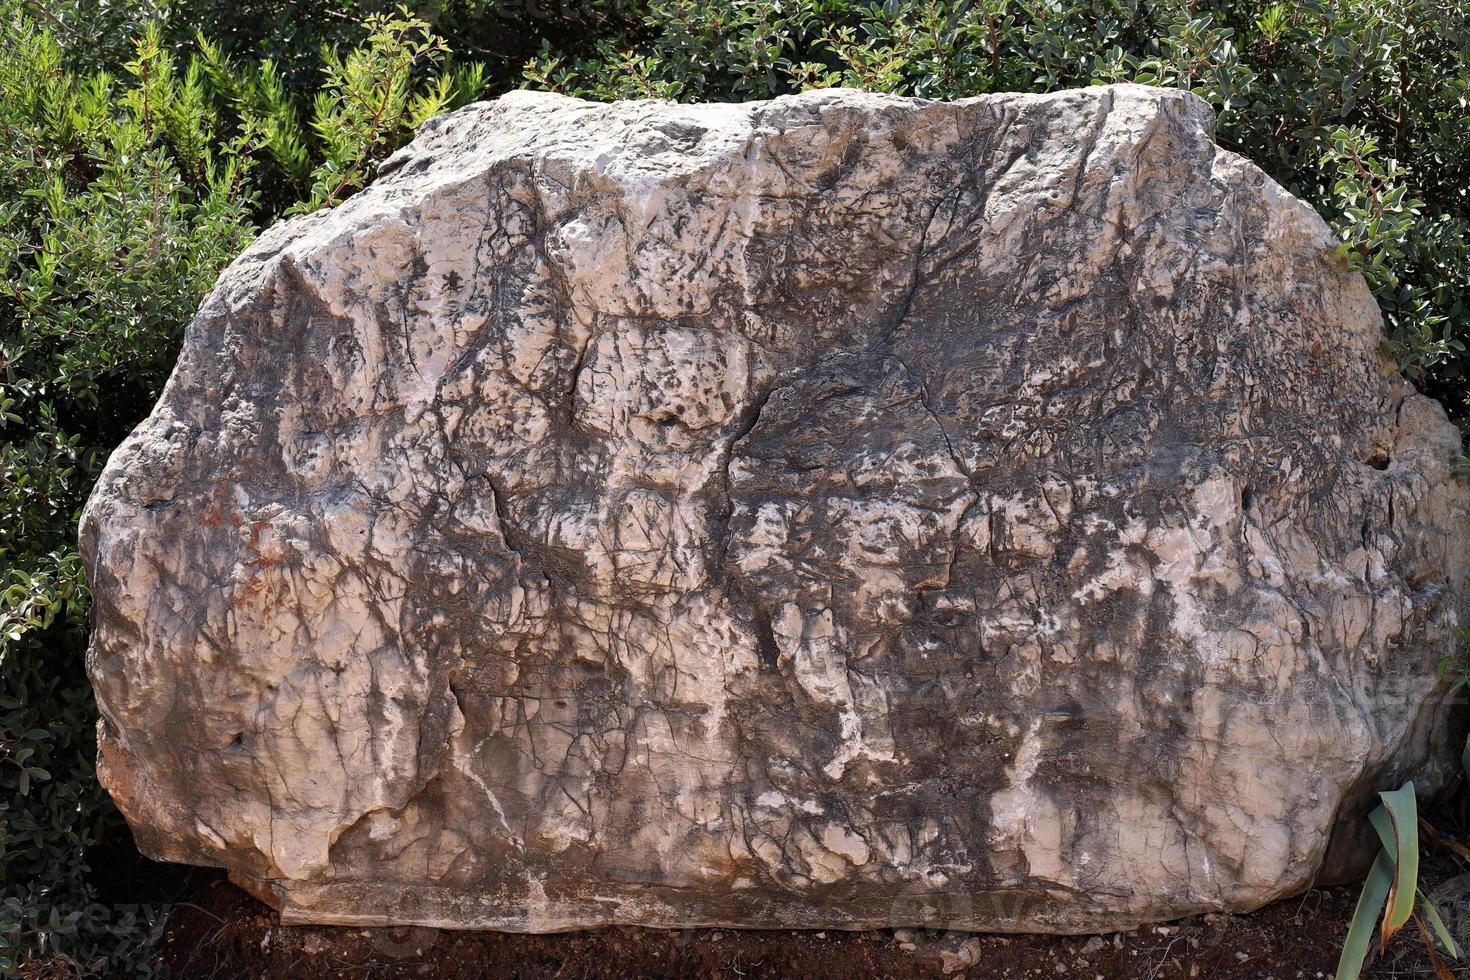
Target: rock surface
(837,511)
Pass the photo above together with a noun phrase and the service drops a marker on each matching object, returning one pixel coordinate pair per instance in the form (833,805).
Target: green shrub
(1362,107)
(501,34)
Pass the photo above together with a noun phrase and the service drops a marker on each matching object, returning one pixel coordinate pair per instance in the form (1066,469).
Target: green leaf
(1432,914)
(1401,842)
(1365,916)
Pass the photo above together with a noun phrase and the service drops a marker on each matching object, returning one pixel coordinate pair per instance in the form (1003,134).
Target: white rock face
(839,511)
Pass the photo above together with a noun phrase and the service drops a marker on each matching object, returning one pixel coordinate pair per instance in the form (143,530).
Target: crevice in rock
(503,519)
(574,378)
(767,650)
(1094,135)
(896,318)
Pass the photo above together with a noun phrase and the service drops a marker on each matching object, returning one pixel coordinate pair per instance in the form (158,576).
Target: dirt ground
(224,933)
(217,931)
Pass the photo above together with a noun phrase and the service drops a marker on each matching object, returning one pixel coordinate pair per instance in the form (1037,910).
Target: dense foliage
(143,144)
(122,195)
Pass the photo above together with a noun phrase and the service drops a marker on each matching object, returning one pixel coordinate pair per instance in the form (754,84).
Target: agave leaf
(1432,914)
(1383,824)
(1360,932)
(1403,811)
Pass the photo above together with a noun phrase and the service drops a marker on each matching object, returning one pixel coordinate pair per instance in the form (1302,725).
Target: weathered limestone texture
(838,511)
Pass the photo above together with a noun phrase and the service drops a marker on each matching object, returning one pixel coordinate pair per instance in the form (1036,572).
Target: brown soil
(215,931)
(218,931)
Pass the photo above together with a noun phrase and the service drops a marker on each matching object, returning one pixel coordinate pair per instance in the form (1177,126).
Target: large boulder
(837,511)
